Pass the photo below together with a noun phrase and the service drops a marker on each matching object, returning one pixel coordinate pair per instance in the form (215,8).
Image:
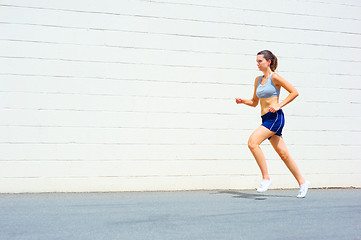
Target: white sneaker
(265,184)
(303,189)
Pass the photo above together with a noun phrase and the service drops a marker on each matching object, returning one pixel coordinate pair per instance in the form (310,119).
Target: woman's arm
(252,102)
(281,82)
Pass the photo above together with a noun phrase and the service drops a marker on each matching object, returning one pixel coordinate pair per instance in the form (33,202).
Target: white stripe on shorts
(280,124)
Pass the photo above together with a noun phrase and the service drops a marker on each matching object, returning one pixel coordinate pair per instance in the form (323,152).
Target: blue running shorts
(274,121)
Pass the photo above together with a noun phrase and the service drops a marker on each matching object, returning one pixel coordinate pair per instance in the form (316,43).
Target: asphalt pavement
(242,215)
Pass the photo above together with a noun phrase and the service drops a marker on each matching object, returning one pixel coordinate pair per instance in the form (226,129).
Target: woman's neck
(267,73)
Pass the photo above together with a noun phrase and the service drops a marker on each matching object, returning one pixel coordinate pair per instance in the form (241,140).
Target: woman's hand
(239,100)
(274,108)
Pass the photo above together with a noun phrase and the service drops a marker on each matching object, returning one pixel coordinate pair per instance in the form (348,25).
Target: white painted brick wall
(139,94)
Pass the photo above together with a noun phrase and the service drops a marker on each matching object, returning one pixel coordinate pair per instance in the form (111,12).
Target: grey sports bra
(268,89)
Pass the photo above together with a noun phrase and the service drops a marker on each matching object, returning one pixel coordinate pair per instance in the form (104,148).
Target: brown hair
(268,55)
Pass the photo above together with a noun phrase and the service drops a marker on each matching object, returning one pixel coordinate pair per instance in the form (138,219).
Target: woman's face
(262,63)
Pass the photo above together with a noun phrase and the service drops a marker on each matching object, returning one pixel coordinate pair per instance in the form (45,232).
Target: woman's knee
(283,155)
(252,144)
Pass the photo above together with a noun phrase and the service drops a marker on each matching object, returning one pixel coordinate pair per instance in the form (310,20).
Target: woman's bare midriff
(266,102)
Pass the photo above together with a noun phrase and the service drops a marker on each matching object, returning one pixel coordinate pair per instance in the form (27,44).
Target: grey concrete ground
(277,214)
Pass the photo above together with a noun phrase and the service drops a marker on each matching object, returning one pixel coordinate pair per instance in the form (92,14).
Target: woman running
(266,91)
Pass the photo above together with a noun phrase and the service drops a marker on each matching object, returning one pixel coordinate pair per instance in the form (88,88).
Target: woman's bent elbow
(254,103)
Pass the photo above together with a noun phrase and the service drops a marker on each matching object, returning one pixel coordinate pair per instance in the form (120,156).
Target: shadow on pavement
(255,196)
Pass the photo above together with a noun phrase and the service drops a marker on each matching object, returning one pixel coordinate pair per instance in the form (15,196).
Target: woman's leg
(257,137)
(280,146)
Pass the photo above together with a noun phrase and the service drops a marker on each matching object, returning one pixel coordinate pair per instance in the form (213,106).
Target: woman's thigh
(279,145)
(259,135)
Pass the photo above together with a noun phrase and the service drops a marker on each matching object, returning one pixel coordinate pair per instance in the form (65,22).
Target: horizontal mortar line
(160,112)
(125,63)
(160,81)
(175,160)
(176,175)
(322,130)
(323,102)
(346,88)
(140,128)
(180,19)
(293,28)
(163,65)
(328,3)
(119,95)
(241,144)
(174,50)
(130,176)
(166,65)
(258,10)
(139,48)
(112,111)
(171,128)
(137,176)
(213,175)
(184,35)
(153,96)
(127,160)
(160,96)
(170,96)
(191,4)
(249,83)
(128,79)
(239,114)
(167,144)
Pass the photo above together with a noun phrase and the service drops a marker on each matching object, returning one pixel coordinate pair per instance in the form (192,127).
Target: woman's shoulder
(277,80)
(275,75)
